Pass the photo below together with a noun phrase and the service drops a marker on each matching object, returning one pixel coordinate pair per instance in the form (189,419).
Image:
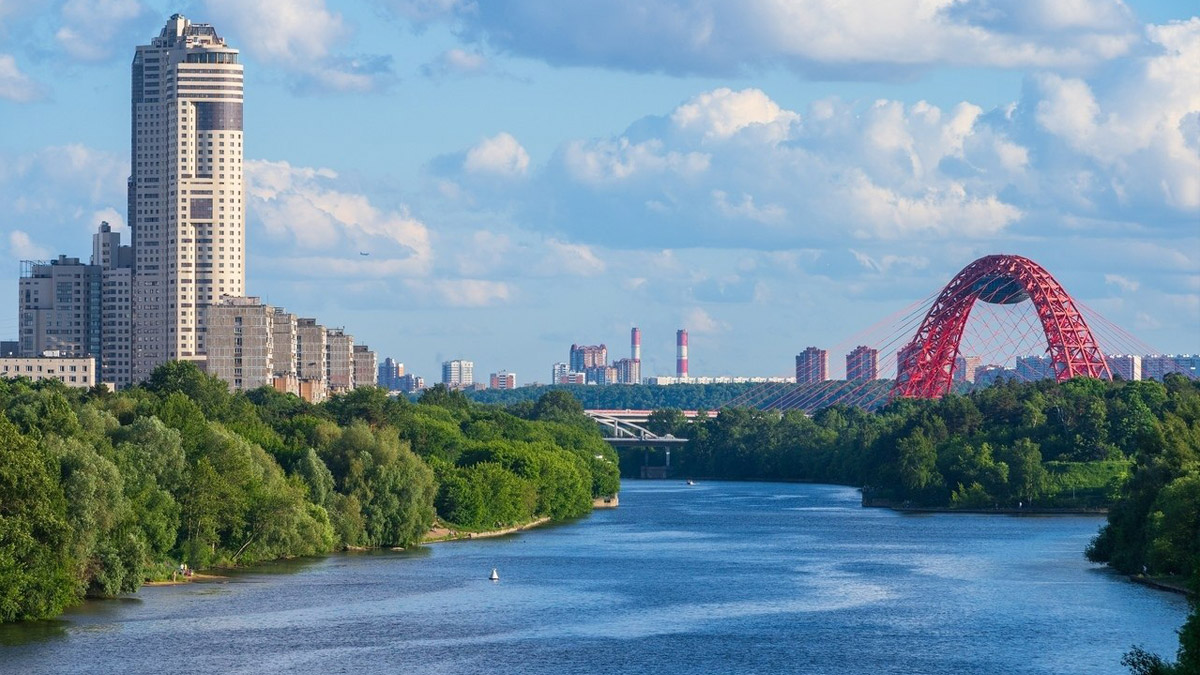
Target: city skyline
(628,196)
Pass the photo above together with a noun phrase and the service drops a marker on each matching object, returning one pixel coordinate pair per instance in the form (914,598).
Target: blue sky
(531,173)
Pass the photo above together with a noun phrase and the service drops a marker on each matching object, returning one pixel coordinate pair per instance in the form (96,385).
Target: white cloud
(299,204)
(1121,282)
(885,263)
(723,112)
(93,30)
(499,155)
(701,322)
(300,36)
(22,247)
(16,86)
(571,259)
(461,292)
(879,38)
(614,161)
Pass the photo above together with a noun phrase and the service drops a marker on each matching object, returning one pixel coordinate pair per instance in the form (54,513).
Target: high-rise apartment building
(241,346)
(862,363)
(411,383)
(458,374)
(812,365)
(310,354)
(284,331)
(587,356)
(629,371)
(185,189)
(390,372)
(502,380)
(366,369)
(78,309)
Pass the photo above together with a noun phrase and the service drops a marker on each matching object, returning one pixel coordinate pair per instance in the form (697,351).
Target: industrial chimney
(681,355)
(635,344)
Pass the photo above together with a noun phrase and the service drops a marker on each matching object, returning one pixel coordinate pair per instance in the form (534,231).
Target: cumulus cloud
(499,155)
(701,322)
(300,204)
(870,38)
(16,86)
(302,38)
(22,247)
(736,168)
(1130,140)
(94,30)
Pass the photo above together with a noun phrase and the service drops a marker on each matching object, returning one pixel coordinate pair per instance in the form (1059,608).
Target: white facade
(458,374)
(185,189)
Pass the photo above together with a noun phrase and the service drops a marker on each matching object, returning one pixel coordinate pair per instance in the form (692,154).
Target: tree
(36,569)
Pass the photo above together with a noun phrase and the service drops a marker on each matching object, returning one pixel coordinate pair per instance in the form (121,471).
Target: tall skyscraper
(185,189)
(862,363)
(812,365)
(681,354)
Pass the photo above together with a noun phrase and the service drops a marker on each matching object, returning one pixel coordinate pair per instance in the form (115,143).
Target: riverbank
(194,578)
(1170,584)
(997,510)
(440,534)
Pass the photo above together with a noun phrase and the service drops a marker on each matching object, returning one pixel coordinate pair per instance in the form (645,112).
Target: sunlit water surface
(711,578)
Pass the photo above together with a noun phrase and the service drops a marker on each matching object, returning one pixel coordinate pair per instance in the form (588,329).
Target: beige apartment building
(241,343)
(185,189)
(72,371)
(339,361)
(366,367)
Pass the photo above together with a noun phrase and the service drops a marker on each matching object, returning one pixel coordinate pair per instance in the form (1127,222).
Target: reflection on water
(716,578)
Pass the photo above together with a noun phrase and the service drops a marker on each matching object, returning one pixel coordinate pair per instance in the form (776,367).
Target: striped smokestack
(635,344)
(681,355)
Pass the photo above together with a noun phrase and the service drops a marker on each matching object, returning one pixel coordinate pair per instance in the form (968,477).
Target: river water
(713,578)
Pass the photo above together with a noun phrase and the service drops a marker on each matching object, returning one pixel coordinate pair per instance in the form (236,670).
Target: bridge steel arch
(927,363)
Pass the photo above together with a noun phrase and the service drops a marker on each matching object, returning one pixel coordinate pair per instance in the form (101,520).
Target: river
(712,578)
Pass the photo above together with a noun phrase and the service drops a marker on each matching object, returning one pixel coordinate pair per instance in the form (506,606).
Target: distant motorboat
(691,482)
(494,576)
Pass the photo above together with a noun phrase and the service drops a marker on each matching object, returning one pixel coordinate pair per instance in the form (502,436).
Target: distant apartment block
(1033,368)
(339,361)
(310,356)
(390,372)
(587,356)
(601,375)
(812,365)
(72,371)
(965,366)
(1125,366)
(411,383)
(1158,366)
(458,374)
(502,380)
(366,370)
(990,374)
(862,363)
(629,371)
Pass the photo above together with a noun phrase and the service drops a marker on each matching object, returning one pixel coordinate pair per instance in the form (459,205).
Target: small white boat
(691,482)
(494,576)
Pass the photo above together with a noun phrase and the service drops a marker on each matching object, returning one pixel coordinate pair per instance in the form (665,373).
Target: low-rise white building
(72,371)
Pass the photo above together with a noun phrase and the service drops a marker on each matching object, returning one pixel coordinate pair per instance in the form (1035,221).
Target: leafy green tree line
(1039,443)
(101,491)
